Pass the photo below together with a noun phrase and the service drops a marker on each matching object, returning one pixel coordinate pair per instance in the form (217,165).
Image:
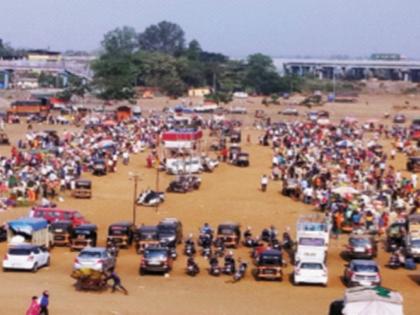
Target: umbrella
(106,143)
(344,144)
(345,190)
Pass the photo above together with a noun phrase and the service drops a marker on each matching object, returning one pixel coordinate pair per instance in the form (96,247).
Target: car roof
(147,228)
(364,262)
(87,226)
(93,249)
(122,223)
(271,252)
(229,224)
(24,246)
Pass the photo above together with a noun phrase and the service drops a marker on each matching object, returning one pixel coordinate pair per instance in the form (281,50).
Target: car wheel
(35,267)
(5,269)
(141,272)
(48,263)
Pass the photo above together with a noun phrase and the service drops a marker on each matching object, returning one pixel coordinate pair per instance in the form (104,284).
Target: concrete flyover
(407,70)
(78,68)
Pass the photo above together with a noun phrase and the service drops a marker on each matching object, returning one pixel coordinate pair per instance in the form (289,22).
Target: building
(29,107)
(43,55)
(198,92)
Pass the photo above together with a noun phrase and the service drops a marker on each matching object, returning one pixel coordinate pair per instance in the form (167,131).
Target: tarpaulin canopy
(182,135)
(27,225)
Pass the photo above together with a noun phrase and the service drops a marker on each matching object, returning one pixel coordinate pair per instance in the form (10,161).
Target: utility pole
(135,177)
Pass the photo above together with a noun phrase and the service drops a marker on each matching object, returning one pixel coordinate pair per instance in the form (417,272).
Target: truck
(27,230)
(368,300)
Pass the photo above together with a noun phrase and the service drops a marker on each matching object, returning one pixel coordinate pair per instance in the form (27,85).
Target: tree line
(161,57)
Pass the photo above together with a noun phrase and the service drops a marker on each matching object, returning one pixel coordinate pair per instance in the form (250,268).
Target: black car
(362,246)
(170,231)
(99,168)
(84,235)
(146,236)
(121,234)
(156,259)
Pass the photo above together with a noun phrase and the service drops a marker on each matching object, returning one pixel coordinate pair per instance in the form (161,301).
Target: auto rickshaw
(146,236)
(121,234)
(269,265)
(99,168)
(413,164)
(61,231)
(84,235)
(4,139)
(235,137)
(230,233)
(395,234)
(242,159)
(83,189)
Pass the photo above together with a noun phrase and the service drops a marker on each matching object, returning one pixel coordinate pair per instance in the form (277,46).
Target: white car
(26,257)
(310,272)
(187,166)
(96,258)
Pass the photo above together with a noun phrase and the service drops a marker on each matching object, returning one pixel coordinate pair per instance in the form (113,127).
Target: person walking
(34,307)
(44,301)
(117,282)
(264,183)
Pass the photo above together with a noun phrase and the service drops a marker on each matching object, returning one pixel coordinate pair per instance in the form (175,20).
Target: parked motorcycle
(192,267)
(240,273)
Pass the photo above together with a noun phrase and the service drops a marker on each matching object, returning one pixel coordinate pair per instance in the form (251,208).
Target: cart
(89,280)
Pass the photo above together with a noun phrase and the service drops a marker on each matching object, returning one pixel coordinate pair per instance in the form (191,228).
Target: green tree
(165,37)
(261,75)
(120,41)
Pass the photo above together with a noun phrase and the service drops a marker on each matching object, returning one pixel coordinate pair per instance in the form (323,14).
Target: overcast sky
(233,27)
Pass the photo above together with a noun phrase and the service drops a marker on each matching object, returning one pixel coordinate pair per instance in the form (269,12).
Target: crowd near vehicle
(95,258)
(361,246)
(156,259)
(82,189)
(26,257)
(362,273)
(229,233)
(269,265)
(83,235)
(368,300)
(146,236)
(61,232)
(311,272)
(121,234)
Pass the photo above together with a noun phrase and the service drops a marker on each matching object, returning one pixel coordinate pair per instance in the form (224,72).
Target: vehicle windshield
(270,260)
(19,251)
(60,225)
(117,230)
(166,229)
(365,268)
(358,242)
(312,266)
(87,254)
(83,232)
(226,230)
(148,236)
(155,254)
(311,241)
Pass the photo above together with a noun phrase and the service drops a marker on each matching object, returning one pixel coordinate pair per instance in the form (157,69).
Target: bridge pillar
(406,76)
(65,79)
(320,74)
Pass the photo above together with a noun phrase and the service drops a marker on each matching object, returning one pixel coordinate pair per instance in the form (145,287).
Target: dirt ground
(228,194)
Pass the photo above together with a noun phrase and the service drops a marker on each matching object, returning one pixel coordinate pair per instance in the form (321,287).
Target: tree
(261,75)
(165,37)
(194,50)
(120,41)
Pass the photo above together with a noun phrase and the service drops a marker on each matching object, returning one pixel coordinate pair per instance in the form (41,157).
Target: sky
(236,28)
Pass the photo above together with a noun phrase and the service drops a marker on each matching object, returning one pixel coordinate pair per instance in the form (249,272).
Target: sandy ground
(228,194)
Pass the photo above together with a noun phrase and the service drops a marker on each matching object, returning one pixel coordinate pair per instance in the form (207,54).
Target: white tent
(372,301)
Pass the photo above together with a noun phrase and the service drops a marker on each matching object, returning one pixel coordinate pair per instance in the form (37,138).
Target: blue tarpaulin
(27,225)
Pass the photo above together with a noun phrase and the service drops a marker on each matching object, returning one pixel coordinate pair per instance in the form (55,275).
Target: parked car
(191,165)
(156,259)
(184,184)
(170,231)
(121,234)
(362,246)
(84,235)
(146,236)
(242,159)
(61,231)
(413,164)
(362,273)
(399,119)
(96,258)
(269,265)
(289,112)
(229,233)
(308,271)
(26,257)
(99,168)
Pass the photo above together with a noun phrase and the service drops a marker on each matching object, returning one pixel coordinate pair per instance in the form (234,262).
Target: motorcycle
(229,266)
(220,248)
(205,239)
(214,269)
(189,249)
(192,268)
(206,251)
(241,272)
(150,198)
(395,261)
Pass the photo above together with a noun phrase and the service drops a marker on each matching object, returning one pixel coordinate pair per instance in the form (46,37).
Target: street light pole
(135,178)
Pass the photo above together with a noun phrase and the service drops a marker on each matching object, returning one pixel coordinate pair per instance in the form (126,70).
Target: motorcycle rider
(206,229)
(220,246)
(287,239)
(240,273)
(214,265)
(192,266)
(229,263)
(247,233)
(264,182)
(189,245)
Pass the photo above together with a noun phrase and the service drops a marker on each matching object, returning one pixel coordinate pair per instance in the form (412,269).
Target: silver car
(96,258)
